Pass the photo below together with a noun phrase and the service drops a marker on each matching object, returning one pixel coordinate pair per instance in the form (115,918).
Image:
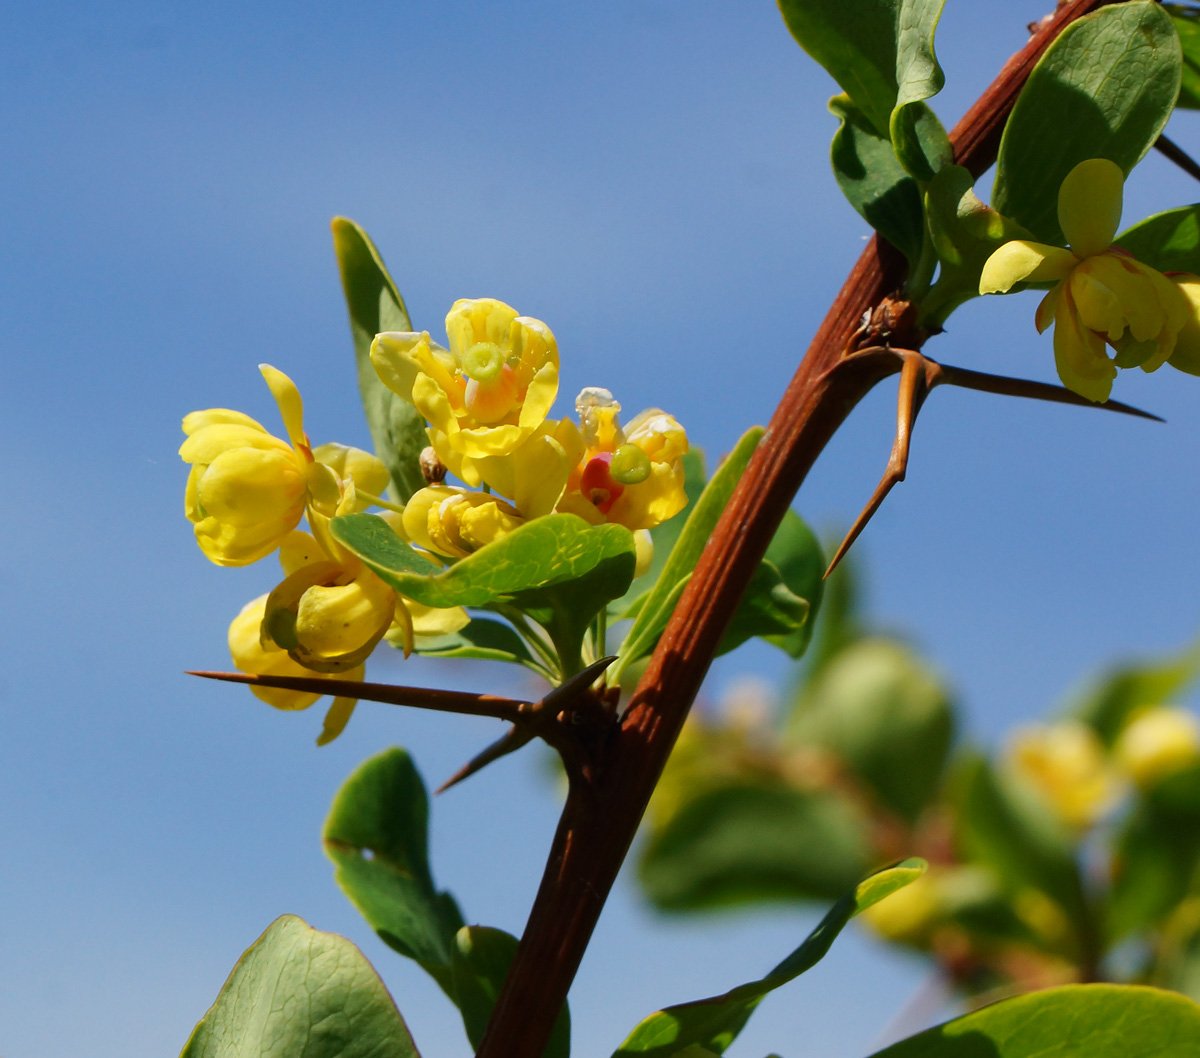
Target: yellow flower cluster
(486,399)
(1101,294)
(246,494)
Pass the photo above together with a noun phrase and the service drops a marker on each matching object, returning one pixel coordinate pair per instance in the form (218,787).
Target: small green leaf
(1186,19)
(920,141)
(886,716)
(1110,703)
(300,993)
(660,602)
(551,550)
(1167,241)
(747,842)
(768,608)
(796,552)
(873,180)
(375,305)
(1075,1021)
(482,956)
(482,639)
(1104,89)
(879,51)
(377,836)
(715,1023)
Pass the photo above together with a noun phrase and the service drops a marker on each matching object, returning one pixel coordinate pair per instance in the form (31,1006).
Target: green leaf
(1017,839)
(660,602)
(375,305)
(1186,19)
(886,716)
(873,180)
(879,51)
(300,993)
(482,956)
(566,609)
(796,552)
(482,639)
(715,1023)
(1104,89)
(768,608)
(377,836)
(665,534)
(551,550)
(920,141)
(1110,703)
(1076,1021)
(1167,241)
(747,842)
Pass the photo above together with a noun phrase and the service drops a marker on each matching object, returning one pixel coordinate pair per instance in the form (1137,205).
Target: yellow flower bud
(1066,764)
(455,522)
(1157,743)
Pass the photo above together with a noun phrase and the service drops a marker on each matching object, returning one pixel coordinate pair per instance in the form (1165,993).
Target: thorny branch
(601,817)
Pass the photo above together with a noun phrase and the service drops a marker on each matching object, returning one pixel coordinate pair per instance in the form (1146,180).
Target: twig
(1171,150)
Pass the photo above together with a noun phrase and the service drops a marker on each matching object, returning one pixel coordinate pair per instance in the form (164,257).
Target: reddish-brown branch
(599,823)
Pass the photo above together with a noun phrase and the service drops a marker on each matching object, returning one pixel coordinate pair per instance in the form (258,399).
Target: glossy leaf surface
(1104,89)
(1167,241)
(300,993)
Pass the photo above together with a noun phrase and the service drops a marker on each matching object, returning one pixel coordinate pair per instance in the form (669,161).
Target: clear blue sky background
(650,178)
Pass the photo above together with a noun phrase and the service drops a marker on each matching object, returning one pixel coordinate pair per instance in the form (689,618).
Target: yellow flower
(633,477)
(455,522)
(1156,743)
(250,656)
(1065,763)
(487,393)
(366,471)
(1101,293)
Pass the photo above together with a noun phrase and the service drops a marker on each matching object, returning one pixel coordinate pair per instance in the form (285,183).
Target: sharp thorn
(564,695)
(512,741)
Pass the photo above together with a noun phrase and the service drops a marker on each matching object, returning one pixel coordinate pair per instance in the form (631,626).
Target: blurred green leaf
(1111,701)
(659,603)
(482,956)
(1021,842)
(882,712)
(1076,1021)
(879,51)
(873,180)
(397,428)
(747,842)
(1167,241)
(299,993)
(715,1023)
(552,550)
(1186,18)
(377,836)
(665,534)
(1104,89)
(482,639)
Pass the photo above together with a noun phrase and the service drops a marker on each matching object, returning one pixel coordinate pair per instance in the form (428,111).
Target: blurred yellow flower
(1101,293)
(1065,763)
(484,395)
(1158,742)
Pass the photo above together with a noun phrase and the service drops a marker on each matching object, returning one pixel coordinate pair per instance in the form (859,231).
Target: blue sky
(651,179)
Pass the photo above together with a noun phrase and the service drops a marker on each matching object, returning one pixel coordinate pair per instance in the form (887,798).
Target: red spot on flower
(597,483)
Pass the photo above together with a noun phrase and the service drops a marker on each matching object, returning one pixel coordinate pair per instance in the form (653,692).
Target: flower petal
(291,407)
(1022,261)
(1089,205)
(1079,354)
(336,719)
(1186,356)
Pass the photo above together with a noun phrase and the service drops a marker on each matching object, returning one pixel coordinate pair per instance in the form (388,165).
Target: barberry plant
(605,557)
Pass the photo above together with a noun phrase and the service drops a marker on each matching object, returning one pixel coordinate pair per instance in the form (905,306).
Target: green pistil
(483,361)
(630,465)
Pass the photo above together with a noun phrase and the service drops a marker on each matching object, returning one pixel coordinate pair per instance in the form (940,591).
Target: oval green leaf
(1167,241)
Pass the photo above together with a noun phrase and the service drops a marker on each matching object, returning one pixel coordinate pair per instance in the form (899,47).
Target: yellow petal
(368,471)
(197,420)
(1089,205)
(430,621)
(657,434)
(299,549)
(336,719)
(653,501)
(1097,305)
(1021,261)
(472,320)
(247,486)
(1079,354)
(1135,290)
(1186,355)
(488,440)
(338,619)
(229,545)
(248,656)
(208,442)
(644,543)
(1046,308)
(534,475)
(291,407)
